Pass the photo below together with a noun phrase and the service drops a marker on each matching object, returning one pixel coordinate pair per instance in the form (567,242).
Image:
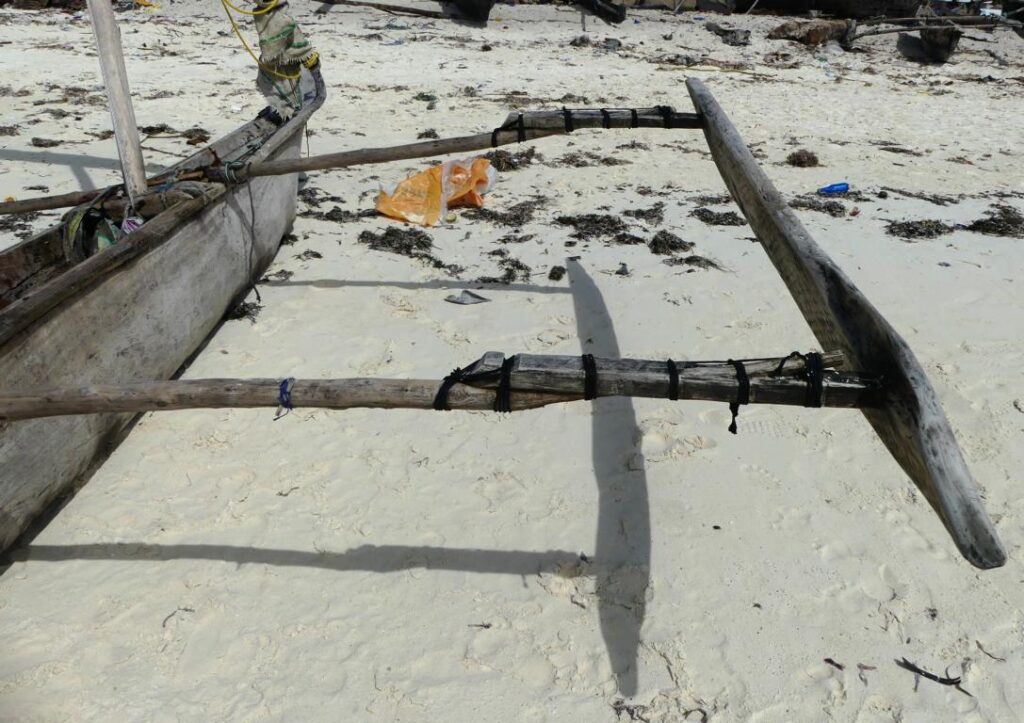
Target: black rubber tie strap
(666,115)
(517,124)
(815,373)
(673,380)
(606,118)
(567,116)
(503,398)
(634,118)
(441,399)
(782,364)
(589,377)
(742,392)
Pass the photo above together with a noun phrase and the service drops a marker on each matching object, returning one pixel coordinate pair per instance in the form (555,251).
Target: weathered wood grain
(911,421)
(141,320)
(536,380)
(539,124)
(115,79)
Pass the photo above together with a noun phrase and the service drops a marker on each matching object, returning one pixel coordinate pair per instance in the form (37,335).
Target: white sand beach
(599,561)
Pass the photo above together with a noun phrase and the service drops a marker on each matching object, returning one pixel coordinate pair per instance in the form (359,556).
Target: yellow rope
(261,11)
(234,26)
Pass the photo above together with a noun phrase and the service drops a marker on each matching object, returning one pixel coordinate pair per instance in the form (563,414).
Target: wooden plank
(535,381)
(24,262)
(911,421)
(115,78)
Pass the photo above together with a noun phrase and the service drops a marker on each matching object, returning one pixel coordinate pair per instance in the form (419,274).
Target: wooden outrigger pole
(115,78)
(531,381)
(518,127)
(910,420)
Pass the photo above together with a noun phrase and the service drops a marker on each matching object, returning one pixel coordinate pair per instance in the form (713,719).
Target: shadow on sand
(623,548)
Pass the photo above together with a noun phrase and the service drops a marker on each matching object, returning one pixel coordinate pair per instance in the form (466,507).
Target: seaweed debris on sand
(503,160)
(803,158)
(515,217)
(411,242)
(653,215)
(714,218)
(925,228)
(589,226)
(512,269)
(814,203)
(1002,220)
(666,243)
(694,262)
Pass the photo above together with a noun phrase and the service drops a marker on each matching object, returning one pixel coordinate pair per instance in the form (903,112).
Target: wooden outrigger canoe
(909,419)
(894,393)
(135,310)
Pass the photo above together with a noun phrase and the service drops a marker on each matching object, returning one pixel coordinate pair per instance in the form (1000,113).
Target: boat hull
(141,323)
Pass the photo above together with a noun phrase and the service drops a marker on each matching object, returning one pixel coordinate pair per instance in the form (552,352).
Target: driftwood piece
(910,421)
(535,381)
(393,9)
(537,124)
(115,78)
(814,32)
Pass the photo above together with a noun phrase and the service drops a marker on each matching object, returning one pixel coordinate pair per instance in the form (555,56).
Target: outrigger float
(136,310)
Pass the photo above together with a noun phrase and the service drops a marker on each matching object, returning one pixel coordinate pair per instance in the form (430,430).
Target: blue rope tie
(284,397)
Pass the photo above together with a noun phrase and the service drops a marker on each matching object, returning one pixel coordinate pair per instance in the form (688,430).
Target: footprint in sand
(377,361)
(448,333)
(760,475)
(400,304)
(547,339)
(880,709)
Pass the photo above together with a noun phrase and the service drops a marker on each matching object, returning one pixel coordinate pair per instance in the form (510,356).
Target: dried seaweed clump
(665,243)
(1002,220)
(814,203)
(926,228)
(713,218)
(411,242)
(593,225)
(503,160)
(515,217)
(653,215)
(803,158)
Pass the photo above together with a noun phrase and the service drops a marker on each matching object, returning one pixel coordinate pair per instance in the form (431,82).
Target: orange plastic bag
(425,197)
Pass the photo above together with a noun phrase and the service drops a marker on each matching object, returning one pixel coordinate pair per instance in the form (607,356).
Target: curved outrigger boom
(910,420)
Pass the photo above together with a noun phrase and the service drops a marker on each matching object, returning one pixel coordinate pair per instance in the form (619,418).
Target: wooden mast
(115,78)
